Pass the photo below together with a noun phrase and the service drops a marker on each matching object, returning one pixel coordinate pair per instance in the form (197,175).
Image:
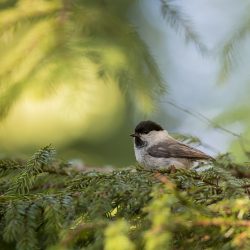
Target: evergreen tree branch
(34,166)
(229,50)
(180,21)
(158,209)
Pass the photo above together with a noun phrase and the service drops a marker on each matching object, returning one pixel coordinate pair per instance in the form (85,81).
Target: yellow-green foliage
(159,212)
(116,236)
(66,65)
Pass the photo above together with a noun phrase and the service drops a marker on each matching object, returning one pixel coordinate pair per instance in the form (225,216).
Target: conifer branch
(83,208)
(33,167)
(229,50)
(180,21)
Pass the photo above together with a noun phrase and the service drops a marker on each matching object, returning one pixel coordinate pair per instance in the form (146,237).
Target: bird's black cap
(145,127)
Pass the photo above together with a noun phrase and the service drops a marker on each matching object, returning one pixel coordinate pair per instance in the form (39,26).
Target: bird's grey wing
(172,148)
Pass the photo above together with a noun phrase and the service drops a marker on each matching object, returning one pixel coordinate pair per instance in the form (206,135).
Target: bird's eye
(146,131)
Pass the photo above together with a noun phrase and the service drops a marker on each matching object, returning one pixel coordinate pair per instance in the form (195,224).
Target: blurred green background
(80,74)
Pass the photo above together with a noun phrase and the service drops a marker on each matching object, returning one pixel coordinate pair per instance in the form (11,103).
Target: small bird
(156,149)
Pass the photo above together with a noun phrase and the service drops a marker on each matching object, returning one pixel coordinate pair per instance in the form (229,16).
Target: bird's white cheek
(138,155)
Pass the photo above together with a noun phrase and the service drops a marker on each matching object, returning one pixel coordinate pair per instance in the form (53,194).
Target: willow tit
(155,148)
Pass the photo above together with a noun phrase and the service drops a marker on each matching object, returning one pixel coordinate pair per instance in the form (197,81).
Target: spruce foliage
(47,204)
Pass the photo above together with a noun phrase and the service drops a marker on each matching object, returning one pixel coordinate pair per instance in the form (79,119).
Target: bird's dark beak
(134,135)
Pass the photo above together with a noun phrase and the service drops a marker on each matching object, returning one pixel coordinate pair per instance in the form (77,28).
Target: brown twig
(222,222)
(164,179)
